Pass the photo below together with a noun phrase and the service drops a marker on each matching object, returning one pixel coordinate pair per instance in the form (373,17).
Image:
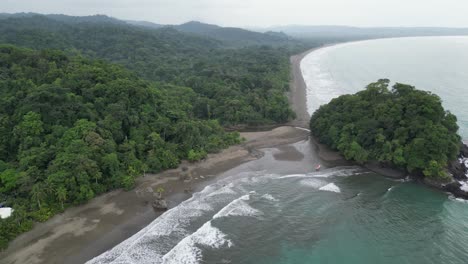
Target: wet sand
(83,232)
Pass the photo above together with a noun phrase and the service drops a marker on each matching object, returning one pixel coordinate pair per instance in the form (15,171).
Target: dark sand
(83,232)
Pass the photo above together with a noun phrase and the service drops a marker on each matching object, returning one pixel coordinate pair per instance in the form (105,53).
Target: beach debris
(317,168)
(5,212)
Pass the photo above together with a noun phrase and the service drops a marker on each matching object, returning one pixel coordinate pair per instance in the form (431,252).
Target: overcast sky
(450,13)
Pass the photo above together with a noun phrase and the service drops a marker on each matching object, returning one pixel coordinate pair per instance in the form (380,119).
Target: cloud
(262,12)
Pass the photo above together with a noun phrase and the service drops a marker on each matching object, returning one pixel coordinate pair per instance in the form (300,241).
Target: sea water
(283,212)
(339,215)
(436,64)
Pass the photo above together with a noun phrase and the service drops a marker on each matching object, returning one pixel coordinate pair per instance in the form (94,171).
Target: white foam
(187,250)
(238,207)
(391,188)
(140,248)
(269,197)
(225,190)
(292,176)
(314,183)
(335,172)
(464,186)
(331,187)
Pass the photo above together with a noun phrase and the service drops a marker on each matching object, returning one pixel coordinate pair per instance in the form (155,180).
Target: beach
(84,232)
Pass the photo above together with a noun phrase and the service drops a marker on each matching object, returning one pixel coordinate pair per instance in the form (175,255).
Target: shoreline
(86,231)
(299,98)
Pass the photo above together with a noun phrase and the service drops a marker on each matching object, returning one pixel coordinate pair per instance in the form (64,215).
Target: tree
(61,194)
(38,194)
(404,127)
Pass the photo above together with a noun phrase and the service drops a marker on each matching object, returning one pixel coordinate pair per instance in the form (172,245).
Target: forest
(401,127)
(72,128)
(87,104)
(234,84)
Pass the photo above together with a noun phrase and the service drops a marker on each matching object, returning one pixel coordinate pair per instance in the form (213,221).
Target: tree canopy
(235,85)
(72,128)
(402,127)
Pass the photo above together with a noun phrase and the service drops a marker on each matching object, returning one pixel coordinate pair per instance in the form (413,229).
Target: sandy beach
(83,232)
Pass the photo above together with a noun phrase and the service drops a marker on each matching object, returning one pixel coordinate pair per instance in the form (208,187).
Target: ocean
(436,64)
(279,211)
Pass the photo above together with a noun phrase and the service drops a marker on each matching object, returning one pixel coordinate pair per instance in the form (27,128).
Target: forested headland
(89,104)
(399,127)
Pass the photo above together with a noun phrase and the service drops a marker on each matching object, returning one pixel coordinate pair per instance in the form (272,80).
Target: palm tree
(61,194)
(37,193)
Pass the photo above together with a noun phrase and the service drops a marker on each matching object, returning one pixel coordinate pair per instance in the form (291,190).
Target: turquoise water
(436,64)
(274,211)
(280,212)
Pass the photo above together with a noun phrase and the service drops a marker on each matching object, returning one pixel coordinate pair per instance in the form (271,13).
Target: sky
(261,13)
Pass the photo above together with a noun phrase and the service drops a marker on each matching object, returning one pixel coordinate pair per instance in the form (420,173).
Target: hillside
(402,127)
(74,128)
(236,86)
(233,36)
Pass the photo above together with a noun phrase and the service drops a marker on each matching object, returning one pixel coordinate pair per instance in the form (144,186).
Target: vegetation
(402,127)
(72,128)
(243,85)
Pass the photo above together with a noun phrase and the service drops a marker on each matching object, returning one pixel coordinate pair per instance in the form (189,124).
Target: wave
(187,250)
(333,172)
(269,197)
(331,187)
(238,207)
(314,183)
(151,243)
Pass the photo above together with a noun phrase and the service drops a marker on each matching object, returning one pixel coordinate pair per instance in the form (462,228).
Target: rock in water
(160,204)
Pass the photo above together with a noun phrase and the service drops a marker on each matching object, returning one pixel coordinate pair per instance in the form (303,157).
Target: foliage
(74,128)
(403,127)
(243,85)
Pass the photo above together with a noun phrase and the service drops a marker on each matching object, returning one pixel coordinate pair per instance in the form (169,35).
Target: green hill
(401,127)
(233,36)
(73,128)
(235,85)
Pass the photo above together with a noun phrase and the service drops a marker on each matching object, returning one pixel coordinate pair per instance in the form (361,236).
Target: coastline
(86,231)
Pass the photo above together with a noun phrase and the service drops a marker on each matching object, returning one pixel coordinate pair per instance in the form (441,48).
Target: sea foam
(187,250)
(331,187)
(238,207)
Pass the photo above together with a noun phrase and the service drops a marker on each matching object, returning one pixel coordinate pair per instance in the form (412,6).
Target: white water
(331,187)
(178,237)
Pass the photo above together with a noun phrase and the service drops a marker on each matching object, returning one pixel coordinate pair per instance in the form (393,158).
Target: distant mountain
(66,19)
(144,24)
(345,32)
(233,36)
(197,27)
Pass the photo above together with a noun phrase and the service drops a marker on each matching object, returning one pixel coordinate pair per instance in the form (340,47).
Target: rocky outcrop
(456,189)
(159,204)
(458,168)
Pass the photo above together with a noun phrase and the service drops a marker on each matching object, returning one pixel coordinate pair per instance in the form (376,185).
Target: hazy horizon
(262,13)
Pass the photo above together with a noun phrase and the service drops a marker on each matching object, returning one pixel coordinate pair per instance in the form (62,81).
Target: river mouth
(283,211)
